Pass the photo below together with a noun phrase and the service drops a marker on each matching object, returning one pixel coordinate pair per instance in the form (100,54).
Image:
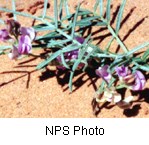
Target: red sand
(22,94)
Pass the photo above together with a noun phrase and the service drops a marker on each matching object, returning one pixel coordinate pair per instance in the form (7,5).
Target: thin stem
(118,39)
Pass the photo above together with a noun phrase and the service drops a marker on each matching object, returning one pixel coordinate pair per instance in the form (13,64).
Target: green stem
(117,38)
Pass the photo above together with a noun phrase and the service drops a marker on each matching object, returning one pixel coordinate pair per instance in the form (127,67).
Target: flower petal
(103,73)
(14,54)
(28,31)
(24,44)
(4,35)
(139,81)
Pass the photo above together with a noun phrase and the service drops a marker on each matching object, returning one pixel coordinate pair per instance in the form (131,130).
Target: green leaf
(145,55)
(77,62)
(57,42)
(61,9)
(88,19)
(45,8)
(108,11)
(14,9)
(101,7)
(56,14)
(43,27)
(70,80)
(20,13)
(64,62)
(66,7)
(46,62)
(143,67)
(56,54)
(120,14)
(5,47)
(96,5)
(74,21)
(132,51)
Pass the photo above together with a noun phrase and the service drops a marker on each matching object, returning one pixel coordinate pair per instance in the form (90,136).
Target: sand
(27,93)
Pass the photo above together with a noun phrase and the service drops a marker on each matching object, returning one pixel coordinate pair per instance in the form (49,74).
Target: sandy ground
(25,92)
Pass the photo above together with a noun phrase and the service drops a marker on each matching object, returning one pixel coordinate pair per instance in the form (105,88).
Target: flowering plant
(69,50)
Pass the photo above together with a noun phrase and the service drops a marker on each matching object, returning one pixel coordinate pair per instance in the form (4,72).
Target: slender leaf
(46,62)
(20,13)
(108,10)
(96,5)
(61,9)
(66,8)
(5,47)
(119,17)
(132,51)
(45,8)
(14,9)
(143,67)
(74,21)
(68,48)
(70,80)
(64,62)
(88,19)
(43,27)
(145,55)
(77,62)
(56,13)
(101,7)
(57,42)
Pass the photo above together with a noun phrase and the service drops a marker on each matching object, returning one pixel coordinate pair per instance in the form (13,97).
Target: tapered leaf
(64,62)
(5,47)
(20,13)
(43,27)
(108,10)
(77,62)
(45,8)
(61,9)
(46,62)
(66,7)
(101,7)
(88,19)
(146,55)
(120,14)
(56,13)
(68,48)
(132,51)
(96,5)
(74,21)
(14,9)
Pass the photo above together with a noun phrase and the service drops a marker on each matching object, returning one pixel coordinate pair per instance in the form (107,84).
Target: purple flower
(122,71)
(103,73)
(72,55)
(28,31)
(14,53)
(80,39)
(4,35)
(139,81)
(25,45)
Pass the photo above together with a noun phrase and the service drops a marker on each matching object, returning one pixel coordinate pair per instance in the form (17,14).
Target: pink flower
(139,81)
(122,71)
(4,35)
(14,53)
(25,45)
(28,31)
(103,73)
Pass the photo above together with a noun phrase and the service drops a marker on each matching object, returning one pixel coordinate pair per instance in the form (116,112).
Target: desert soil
(25,92)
